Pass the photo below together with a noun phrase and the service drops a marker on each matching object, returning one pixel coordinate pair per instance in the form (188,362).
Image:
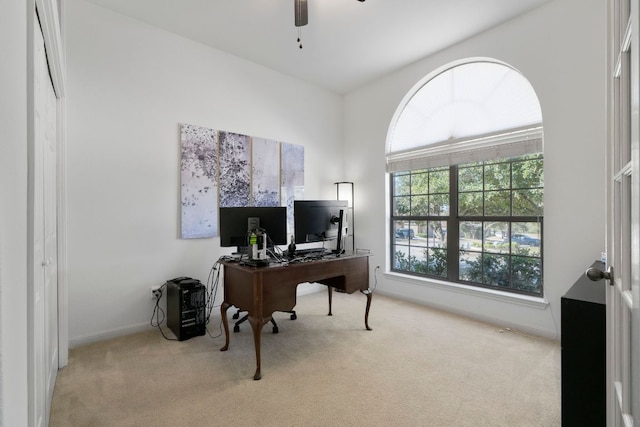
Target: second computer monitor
(319,220)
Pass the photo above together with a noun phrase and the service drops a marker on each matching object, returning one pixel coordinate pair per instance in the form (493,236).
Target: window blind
(517,142)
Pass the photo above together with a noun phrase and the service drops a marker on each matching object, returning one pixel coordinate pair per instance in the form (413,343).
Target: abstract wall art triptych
(225,169)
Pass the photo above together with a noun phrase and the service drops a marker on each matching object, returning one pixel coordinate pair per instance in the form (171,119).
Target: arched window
(464,153)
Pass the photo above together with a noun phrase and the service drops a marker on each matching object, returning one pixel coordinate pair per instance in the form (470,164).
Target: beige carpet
(418,367)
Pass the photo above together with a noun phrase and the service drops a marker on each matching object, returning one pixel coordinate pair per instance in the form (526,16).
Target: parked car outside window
(523,239)
(405,233)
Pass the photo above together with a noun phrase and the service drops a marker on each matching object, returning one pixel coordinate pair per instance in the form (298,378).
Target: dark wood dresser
(583,339)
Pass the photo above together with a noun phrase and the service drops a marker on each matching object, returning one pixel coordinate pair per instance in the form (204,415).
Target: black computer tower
(186,307)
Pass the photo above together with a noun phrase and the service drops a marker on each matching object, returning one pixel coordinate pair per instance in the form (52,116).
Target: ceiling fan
(302,16)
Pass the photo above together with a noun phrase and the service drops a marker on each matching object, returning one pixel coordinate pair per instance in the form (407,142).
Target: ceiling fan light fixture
(301,12)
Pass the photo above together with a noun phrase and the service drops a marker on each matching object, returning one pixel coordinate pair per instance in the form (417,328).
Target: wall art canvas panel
(226,169)
(292,178)
(265,172)
(235,169)
(199,188)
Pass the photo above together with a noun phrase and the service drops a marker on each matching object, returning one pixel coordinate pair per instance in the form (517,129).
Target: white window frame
(500,144)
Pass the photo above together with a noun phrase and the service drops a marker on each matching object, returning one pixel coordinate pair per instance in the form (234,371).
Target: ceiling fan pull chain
(301,15)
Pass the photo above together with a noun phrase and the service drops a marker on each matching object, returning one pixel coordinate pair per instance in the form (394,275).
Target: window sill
(524,300)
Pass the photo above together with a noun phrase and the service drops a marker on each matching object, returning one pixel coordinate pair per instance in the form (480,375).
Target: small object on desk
(291,249)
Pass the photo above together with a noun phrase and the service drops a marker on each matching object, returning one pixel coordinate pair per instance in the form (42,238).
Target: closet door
(44,298)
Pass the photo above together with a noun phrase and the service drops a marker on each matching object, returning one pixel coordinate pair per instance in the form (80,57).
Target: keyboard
(312,251)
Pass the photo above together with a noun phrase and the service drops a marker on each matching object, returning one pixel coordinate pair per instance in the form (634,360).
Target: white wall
(130,85)
(560,49)
(13,214)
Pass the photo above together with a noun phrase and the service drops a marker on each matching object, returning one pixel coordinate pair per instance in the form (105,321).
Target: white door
(623,222)
(44,312)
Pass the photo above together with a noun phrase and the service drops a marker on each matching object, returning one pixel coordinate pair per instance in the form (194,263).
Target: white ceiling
(346,44)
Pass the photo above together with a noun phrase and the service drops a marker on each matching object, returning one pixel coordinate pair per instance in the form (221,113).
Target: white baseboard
(112,333)
(525,329)
(303,289)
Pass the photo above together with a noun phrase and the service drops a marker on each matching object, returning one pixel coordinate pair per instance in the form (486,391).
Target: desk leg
(225,323)
(256,326)
(369,294)
(330,298)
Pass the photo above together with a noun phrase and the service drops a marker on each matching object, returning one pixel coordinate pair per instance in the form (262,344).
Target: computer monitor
(236,222)
(320,220)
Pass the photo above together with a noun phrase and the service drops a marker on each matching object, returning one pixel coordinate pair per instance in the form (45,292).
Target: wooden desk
(261,291)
